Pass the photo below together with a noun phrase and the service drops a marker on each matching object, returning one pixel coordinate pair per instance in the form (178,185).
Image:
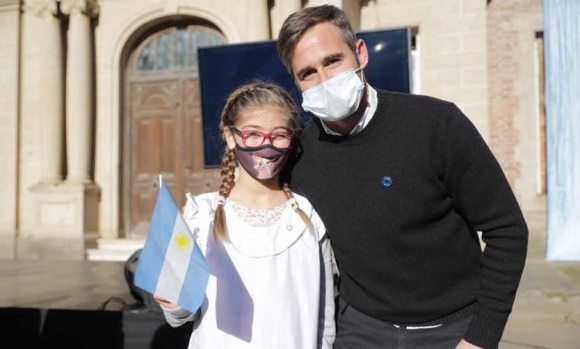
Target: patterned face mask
(262,162)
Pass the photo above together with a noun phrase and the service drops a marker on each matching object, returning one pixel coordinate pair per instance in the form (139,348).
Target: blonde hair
(251,95)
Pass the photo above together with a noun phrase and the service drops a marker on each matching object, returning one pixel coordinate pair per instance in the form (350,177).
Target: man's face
(321,53)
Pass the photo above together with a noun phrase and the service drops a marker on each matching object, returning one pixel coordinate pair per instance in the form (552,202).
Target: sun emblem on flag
(181,240)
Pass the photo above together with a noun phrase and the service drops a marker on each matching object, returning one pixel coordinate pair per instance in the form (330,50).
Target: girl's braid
(228,182)
(295,206)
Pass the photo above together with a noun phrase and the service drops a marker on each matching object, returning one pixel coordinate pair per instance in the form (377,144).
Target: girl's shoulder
(199,205)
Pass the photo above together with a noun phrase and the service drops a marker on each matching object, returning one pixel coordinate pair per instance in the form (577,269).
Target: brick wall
(504,72)
(513,92)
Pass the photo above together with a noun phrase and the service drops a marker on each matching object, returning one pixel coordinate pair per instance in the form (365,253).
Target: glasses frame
(265,136)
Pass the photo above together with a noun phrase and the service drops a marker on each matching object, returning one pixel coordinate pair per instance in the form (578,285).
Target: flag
(171,264)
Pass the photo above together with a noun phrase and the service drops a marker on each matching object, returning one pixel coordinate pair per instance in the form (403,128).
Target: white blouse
(269,287)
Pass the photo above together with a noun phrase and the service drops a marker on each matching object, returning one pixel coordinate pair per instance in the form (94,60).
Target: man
(403,184)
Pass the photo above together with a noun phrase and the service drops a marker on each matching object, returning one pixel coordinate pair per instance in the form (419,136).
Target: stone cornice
(41,8)
(87,7)
(9,7)
(9,3)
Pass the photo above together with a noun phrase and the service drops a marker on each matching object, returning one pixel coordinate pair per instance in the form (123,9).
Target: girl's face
(269,119)
(256,129)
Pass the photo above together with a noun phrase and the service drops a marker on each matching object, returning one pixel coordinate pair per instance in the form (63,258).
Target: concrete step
(118,250)
(121,244)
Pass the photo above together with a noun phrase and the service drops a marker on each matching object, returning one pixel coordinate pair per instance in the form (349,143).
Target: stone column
(279,13)
(65,216)
(369,16)
(10,24)
(258,19)
(79,83)
(352,8)
(51,77)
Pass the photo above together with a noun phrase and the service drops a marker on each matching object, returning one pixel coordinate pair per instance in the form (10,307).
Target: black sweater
(408,253)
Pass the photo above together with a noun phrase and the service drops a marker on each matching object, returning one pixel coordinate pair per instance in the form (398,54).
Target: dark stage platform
(78,304)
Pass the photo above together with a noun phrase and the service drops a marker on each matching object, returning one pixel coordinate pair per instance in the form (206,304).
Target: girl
(271,282)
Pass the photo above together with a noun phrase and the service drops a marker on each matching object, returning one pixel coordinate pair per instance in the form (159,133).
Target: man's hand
(466,345)
(164,302)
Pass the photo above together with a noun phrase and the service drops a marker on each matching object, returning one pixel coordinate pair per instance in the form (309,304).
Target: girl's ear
(229,136)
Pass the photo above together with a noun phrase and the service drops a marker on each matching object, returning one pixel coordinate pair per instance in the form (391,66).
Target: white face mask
(335,98)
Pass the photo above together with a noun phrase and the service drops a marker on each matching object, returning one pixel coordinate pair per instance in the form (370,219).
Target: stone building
(83,82)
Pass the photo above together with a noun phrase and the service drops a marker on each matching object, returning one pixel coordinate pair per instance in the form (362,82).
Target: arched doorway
(162,122)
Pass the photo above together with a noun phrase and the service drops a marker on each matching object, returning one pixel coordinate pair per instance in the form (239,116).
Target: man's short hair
(301,21)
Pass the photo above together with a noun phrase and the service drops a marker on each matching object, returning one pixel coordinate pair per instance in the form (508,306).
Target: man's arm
(483,196)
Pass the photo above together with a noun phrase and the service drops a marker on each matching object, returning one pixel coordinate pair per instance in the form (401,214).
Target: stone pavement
(546,313)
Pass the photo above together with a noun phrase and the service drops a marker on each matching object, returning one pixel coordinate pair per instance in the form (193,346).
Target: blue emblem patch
(387,181)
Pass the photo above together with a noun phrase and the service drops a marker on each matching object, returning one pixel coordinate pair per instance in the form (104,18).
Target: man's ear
(362,51)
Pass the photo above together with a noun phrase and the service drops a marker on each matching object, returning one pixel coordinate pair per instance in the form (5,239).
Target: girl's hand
(466,345)
(164,302)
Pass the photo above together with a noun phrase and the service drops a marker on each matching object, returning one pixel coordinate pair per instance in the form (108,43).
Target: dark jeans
(356,330)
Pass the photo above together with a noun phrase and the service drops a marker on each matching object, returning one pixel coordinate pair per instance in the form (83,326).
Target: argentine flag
(171,264)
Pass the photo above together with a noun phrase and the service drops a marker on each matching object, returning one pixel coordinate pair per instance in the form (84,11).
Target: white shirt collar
(366,117)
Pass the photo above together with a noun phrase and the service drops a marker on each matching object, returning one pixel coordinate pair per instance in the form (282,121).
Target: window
(176,49)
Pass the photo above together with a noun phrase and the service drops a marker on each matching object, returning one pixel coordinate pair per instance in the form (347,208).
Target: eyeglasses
(252,138)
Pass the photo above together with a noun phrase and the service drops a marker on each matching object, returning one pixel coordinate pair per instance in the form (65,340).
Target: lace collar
(258,217)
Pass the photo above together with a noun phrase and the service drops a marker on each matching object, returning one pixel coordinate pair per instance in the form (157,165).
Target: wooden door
(164,125)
